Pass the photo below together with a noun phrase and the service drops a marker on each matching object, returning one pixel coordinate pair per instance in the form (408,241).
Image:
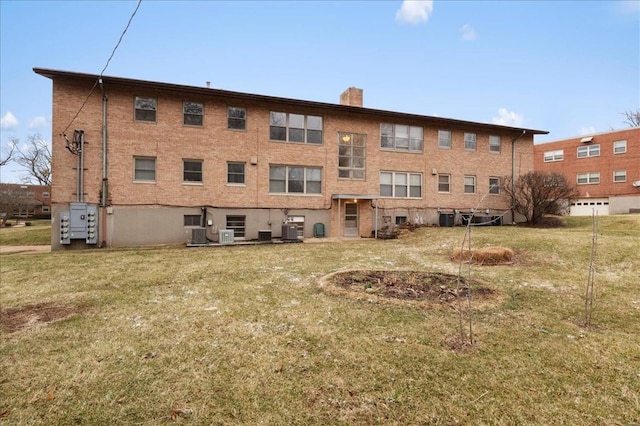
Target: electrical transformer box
(80,222)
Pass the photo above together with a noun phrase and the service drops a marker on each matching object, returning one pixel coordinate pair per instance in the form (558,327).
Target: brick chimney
(352,97)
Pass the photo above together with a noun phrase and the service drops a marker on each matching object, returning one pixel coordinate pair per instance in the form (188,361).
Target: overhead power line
(98,80)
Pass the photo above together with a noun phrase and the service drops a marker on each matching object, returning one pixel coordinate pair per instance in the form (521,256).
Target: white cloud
(9,121)
(414,11)
(507,118)
(587,130)
(468,33)
(38,122)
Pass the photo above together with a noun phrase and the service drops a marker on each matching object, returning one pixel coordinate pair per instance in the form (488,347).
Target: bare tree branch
(536,194)
(37,159)
(632,118)
(8,156)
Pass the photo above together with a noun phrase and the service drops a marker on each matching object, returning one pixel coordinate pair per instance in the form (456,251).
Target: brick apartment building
(160,160)
(25,201)
(604,166)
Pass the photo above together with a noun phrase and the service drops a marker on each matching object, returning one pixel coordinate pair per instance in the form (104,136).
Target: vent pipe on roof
(208,85)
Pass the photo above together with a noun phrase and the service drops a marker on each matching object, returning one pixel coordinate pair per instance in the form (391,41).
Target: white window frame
(448,183)
(307,187)
(474,185)
(495,144)
(619,176)
(494,188)
(190,112)
(557,155)
(620,147)
(414,138)
(137,169)
(470,141)
(589,151)
(444,139)
(396,182)
(309,127)
(192,173)
(591,178)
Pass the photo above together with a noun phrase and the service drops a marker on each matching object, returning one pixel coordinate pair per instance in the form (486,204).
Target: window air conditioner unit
(225,236)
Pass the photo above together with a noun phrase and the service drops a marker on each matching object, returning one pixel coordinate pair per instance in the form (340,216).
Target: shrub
(485,255)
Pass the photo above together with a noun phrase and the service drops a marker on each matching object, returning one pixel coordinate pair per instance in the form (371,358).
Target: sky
(571,68)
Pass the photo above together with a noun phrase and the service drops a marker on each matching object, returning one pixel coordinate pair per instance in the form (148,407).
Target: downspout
(104,198)
(513,172)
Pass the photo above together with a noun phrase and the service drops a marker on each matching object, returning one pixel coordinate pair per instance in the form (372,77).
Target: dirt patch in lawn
(422,287)
(16,319)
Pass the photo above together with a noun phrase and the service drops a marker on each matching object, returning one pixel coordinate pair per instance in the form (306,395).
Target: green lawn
(246,335)
(38,233)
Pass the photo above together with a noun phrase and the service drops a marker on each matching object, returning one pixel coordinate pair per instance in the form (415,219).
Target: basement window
(237,224)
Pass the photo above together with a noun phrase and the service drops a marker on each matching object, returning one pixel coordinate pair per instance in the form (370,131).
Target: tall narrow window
(144,169)
(494,144)
(236,118)
(494,185)
(444,183)
(470,141)
(444,139)
(192,170)
(351,155)
(145,109)
(235,173)
(192,113)
(469,184)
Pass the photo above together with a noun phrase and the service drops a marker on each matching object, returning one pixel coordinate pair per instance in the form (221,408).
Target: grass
(244,335)
(38,233)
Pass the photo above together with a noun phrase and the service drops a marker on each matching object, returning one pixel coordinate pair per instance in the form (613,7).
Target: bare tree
(536,194)
(632,118)
(37,159)
(8,155)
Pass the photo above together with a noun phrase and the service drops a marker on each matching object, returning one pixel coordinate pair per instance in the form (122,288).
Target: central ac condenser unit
(289,232)
(199,236)
(225,236)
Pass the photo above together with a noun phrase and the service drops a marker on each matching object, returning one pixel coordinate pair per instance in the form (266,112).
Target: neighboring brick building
(182,157)
(22,200)
(605,167)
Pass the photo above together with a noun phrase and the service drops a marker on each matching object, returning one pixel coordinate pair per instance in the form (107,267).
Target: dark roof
(52,74)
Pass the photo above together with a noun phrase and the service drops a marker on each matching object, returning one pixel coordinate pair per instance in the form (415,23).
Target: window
(588,151)
(236,118)
(588,178)
(295,128)
(145,109)
(400,185)
(470,141)
(401,137)
(494,144)
(235,173)
(469,184)
(144,169)
(295,180)
(400,220)
(619,147)
(494,185)
(237,224)
(352,149)
(444,139)
(192,220)
(46,209)
(192,113)
(192,170)
(46,194)
(444,183)
(557,155)
(619,175)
